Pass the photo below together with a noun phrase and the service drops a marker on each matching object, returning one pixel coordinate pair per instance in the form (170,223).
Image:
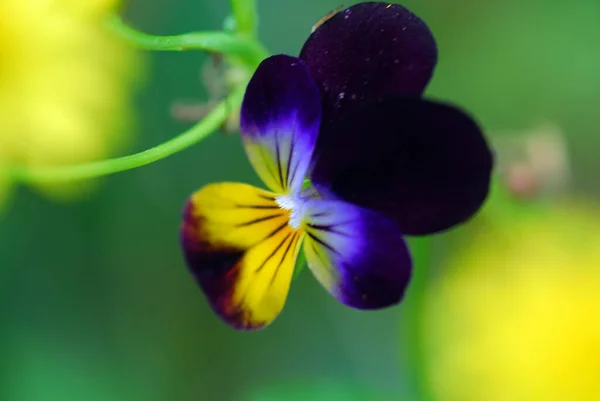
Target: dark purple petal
(280,119)
(358,255)
(423,164)
(367,52)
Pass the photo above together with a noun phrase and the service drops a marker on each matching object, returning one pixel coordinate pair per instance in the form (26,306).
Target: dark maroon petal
(358,255)
(423,164)
(367,52)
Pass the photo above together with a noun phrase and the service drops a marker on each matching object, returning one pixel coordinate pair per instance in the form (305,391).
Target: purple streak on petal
(367,52)
(423,164)
(280,120)
(358,255)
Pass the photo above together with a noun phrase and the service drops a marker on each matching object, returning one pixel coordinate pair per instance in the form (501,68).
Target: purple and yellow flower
(382,163)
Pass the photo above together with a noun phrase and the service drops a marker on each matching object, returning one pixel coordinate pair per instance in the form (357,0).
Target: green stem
(413,350)
(251,51)
(245,14)
(201,130)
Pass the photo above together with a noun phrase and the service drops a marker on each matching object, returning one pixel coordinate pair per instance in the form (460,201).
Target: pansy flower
(381,161)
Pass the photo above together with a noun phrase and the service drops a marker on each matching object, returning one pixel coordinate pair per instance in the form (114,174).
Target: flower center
(295,204)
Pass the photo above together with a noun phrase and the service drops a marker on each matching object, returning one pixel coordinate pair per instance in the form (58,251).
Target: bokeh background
(96,303)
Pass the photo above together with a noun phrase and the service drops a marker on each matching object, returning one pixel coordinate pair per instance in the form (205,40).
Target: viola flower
(383,163)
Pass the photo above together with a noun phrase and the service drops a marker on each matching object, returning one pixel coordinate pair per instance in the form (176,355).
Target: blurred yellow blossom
(65,85)
(515,313)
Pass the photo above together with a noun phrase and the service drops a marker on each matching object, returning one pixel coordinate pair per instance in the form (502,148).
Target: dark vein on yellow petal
(278,156)
(266,163)
(259,220)
(281,227)
(273,253)
(266,197)
(292,241)
(258,206)
(320,241)
(317,253)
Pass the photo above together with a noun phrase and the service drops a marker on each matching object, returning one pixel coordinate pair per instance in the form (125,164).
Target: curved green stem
(201,130)
(245,14)
(218,42)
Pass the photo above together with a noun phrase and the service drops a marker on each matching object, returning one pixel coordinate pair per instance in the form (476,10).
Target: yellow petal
(241,250)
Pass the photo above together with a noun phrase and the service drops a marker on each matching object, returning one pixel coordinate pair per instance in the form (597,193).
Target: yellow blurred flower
(515,315)
(65,84)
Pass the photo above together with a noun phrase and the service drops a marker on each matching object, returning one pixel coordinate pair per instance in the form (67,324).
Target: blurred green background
(95,300)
